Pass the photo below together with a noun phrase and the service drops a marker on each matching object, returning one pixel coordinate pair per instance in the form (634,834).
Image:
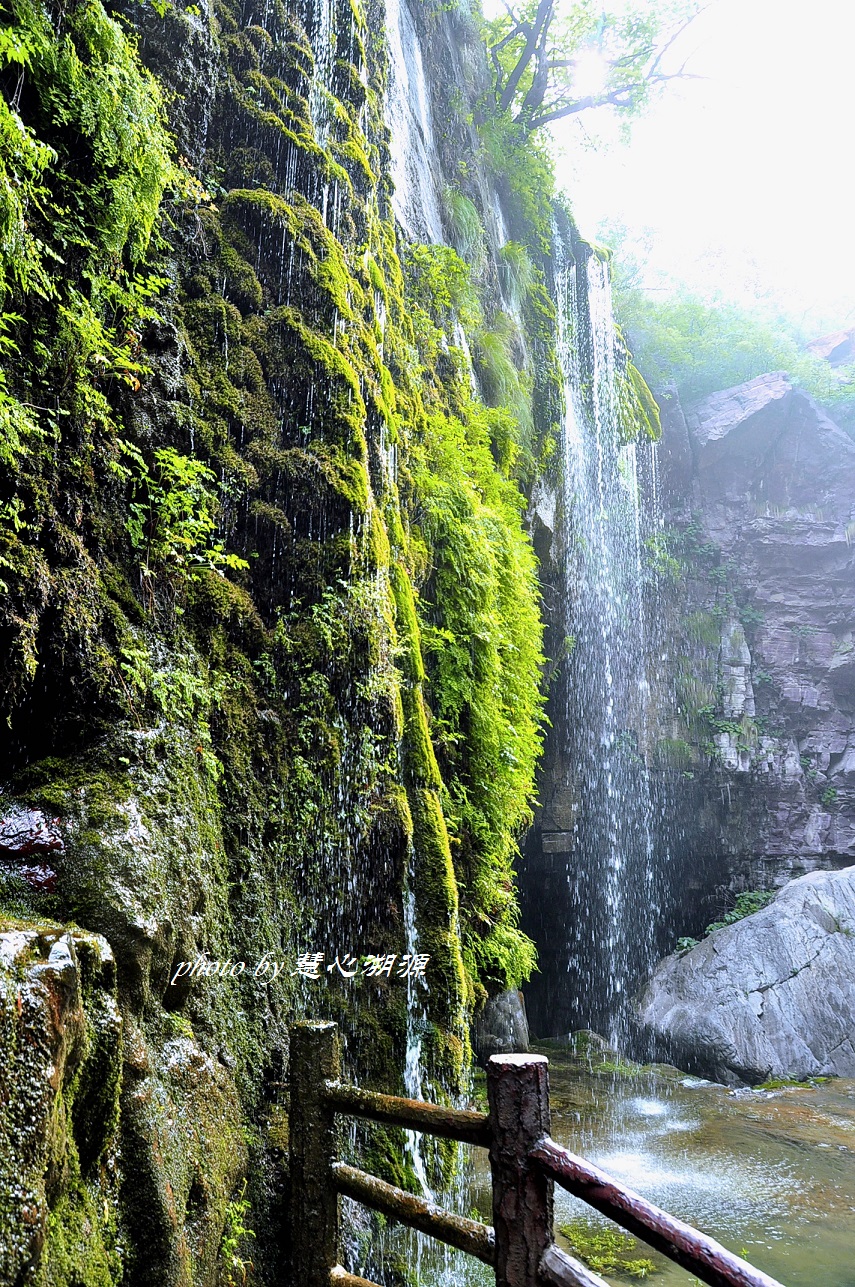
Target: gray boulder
(771,996)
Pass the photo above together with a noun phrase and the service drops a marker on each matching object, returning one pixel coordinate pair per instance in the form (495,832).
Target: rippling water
(770,1174)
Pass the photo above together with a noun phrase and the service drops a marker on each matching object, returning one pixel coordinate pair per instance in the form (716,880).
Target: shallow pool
(771,1174)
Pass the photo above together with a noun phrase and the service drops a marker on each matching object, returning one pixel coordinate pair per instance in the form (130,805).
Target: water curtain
(610,504)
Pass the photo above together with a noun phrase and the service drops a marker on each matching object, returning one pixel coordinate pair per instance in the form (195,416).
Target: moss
(412,666)
(54,782)
(79,1249)
(62,1067)
(384,1155)
(647,403)
(584,249)
(789,1083)
(94,1093)
(356,707)
(437,906)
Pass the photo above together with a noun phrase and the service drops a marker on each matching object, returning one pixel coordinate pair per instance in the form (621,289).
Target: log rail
(524,1160)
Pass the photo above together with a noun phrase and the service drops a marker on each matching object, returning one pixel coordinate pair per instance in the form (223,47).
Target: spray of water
(610,511)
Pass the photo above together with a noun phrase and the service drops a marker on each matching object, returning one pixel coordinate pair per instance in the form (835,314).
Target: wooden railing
(524,1160)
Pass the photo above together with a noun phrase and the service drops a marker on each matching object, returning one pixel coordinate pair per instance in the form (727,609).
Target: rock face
(59,1087)
(751,752)
(240,744)
(767,624)
(771,996)
(837,349)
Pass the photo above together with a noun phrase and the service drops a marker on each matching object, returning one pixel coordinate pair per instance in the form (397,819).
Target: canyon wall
(279,372)
(760,485)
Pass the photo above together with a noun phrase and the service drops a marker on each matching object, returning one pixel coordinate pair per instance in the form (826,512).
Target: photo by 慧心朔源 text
(308,965)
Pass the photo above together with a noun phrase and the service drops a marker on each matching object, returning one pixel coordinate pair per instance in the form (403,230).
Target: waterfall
(416,199)
(609,503)
(322,28)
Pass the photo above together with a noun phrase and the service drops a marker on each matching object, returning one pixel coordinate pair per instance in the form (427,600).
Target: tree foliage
(543,51)
(704,345)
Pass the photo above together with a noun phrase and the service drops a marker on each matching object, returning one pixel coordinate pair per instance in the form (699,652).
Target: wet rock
(737,696)
(183,1150)
(675,451)
(60,1062)
(770,996)
(501,1028)
(120,877)
(25,832)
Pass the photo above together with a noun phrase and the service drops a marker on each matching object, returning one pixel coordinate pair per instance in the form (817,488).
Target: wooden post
(314,1200)
(518,1092)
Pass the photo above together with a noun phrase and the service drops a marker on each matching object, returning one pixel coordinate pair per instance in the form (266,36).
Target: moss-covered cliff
(270,622)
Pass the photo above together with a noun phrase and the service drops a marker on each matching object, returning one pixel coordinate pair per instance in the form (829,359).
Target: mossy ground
(608,1250)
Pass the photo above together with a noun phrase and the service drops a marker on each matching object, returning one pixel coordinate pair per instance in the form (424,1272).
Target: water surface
(770,1174)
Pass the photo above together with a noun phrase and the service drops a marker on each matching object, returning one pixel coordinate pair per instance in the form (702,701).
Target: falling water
(415,1024)
(408,113)
(322,31)
(609,507)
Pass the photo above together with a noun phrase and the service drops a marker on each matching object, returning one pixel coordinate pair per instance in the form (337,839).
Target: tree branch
(542,19)
(638,65)
(619,97)
(521,30)
(540,81)
(657,61)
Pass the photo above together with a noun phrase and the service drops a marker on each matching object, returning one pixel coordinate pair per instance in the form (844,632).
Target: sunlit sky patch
(591,73)
(742,181)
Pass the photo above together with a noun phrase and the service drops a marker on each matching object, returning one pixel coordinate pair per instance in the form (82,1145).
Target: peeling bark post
(518,1091)
(314,1200)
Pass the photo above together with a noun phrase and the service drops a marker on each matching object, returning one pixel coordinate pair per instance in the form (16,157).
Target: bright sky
(743,181)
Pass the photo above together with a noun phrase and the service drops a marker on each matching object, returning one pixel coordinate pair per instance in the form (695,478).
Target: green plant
(829,795)
(748,902)
(235,1231)
(88,206)
(517,272)
(607,1250)
(787,1083)
(173,516)
(525,165)
(745,904)
(750,616)
(808,768)
(502,382)
(745,731)
(467,230)
(481,639)
(706,344)
(441,283)
(185,694)
(660,559)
